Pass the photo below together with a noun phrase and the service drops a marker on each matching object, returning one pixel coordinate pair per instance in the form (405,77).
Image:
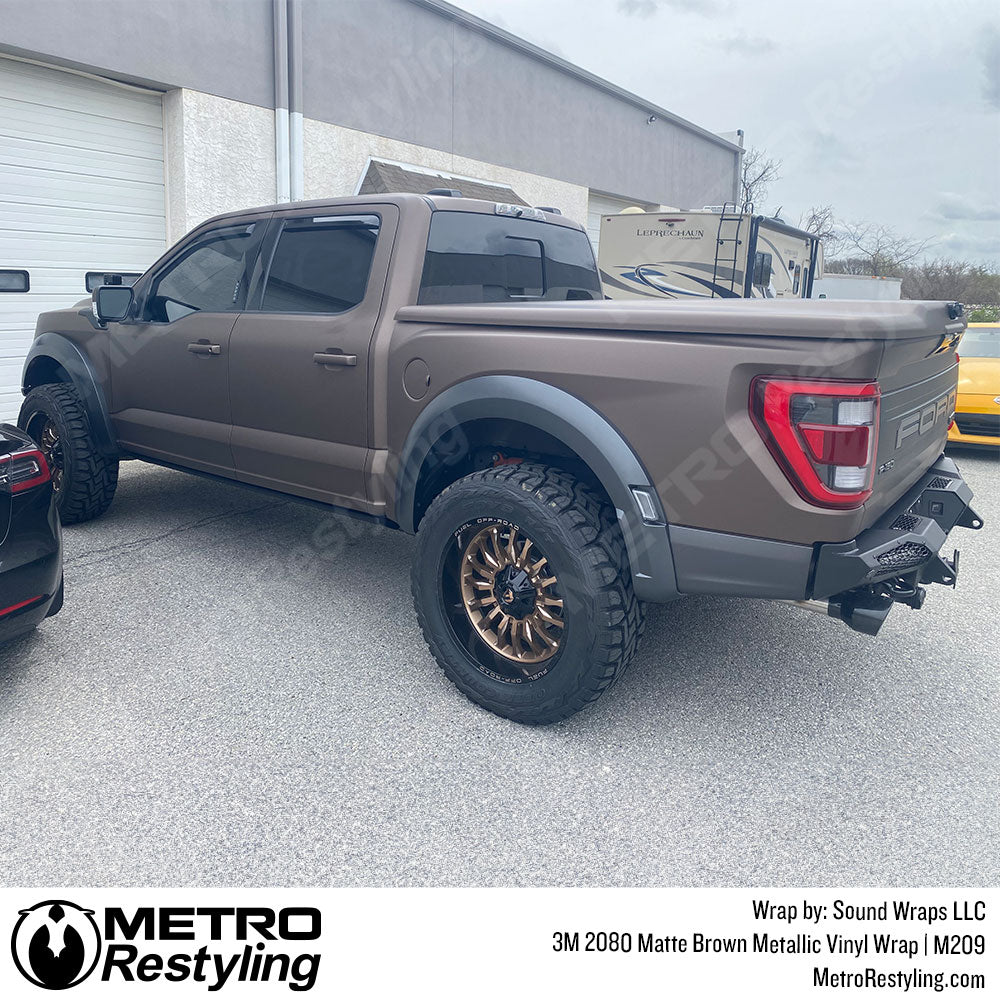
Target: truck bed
(683,388)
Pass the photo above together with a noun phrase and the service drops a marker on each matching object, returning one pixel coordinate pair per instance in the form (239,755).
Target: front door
(299,365)
(170,366)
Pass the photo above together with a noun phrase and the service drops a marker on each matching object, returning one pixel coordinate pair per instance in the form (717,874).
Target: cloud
(824,149)
(991,67)
(956,206)
(970,246)
(646,8)
(747,45)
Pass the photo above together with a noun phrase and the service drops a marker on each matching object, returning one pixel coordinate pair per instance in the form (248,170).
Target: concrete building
(124,124)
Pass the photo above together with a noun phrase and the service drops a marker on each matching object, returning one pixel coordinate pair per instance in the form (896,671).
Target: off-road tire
(89,478)
(580,535)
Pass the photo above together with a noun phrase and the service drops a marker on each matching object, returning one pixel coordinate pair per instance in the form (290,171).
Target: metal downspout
(296,155)
(281,133)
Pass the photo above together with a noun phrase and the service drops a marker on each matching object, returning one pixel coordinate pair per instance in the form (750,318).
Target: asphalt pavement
(237,693)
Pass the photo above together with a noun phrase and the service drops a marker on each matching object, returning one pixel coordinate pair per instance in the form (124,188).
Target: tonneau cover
(819,319)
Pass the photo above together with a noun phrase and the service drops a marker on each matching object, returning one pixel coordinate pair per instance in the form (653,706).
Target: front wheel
(524,593)
(83,478)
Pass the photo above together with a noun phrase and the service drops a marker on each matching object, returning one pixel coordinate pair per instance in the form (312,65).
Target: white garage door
(81,189)
(604,204)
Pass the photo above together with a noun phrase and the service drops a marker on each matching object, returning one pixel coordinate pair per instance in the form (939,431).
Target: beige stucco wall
(335,158)
(218,157)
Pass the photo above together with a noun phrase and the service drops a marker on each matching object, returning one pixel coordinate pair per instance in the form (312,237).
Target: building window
(321,265)
(12,280)
(94,279)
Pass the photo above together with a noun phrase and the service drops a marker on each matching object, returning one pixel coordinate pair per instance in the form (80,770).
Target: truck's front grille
(984,424)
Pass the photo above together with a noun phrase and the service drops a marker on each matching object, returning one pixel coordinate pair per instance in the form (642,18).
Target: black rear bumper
(892,560)
(906,539)
(856,581)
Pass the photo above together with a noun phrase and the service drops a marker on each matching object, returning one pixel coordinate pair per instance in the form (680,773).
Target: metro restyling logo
(56,944)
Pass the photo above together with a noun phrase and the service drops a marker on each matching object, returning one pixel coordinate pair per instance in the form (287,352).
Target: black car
(31,586)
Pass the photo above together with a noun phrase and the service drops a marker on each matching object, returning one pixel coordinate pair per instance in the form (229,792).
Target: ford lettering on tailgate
(923,419)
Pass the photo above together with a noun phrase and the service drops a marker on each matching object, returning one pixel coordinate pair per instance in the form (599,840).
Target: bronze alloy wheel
(45,434)
(523,591)
(510,597)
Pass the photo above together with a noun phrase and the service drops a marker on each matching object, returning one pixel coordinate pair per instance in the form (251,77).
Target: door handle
(344,360)
(212,349)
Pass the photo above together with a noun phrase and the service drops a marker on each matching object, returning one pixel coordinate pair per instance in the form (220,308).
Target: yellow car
(977,415)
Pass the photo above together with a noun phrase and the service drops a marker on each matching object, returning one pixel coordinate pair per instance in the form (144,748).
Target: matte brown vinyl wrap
(679,400)
(672,378)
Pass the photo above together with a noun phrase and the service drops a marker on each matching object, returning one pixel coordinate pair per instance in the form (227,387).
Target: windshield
(980,342)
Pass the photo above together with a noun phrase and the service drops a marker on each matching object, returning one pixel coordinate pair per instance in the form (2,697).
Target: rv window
(762,269)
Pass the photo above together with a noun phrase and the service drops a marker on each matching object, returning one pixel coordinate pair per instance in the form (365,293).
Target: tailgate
(918,375)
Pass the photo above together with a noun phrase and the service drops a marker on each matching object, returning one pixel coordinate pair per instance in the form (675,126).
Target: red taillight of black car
(822,433)
(23,470)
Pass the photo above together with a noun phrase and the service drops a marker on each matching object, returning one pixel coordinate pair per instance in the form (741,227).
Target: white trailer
(708,253)
(857,286)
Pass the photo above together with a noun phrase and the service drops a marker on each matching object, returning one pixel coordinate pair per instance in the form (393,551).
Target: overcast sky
(889,110)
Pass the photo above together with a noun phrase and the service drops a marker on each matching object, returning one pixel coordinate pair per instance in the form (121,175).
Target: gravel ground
(237,693)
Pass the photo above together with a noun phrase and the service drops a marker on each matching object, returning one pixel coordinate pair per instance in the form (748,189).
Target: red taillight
(23,470)
(822,434)
(20,606)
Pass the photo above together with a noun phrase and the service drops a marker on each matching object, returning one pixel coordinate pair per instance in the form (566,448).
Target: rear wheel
(83,478)
(524,593)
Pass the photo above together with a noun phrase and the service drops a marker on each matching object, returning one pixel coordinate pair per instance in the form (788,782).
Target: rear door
(299,367)
(170,367)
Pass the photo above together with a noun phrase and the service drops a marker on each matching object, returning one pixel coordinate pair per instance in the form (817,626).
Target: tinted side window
(210,276)
(486,258)
(321,265)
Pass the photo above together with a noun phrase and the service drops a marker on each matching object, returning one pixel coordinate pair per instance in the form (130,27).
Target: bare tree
(877,250)
(946,278)
(821,221)
(760,171)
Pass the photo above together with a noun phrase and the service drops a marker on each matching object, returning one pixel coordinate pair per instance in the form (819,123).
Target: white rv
(708,253)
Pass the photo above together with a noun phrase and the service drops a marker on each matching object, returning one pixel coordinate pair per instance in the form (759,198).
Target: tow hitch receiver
(892,561)
(866,608)
(941,570)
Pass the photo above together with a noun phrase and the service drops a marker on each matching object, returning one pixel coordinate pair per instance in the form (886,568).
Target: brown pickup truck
(449,367)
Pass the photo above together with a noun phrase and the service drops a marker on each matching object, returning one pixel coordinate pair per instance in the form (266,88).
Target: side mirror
(112,303)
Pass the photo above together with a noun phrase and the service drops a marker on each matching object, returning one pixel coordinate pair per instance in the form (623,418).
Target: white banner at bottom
(484,943)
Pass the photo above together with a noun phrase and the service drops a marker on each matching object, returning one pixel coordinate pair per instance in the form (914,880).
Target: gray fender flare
(569,420)
(59,348)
